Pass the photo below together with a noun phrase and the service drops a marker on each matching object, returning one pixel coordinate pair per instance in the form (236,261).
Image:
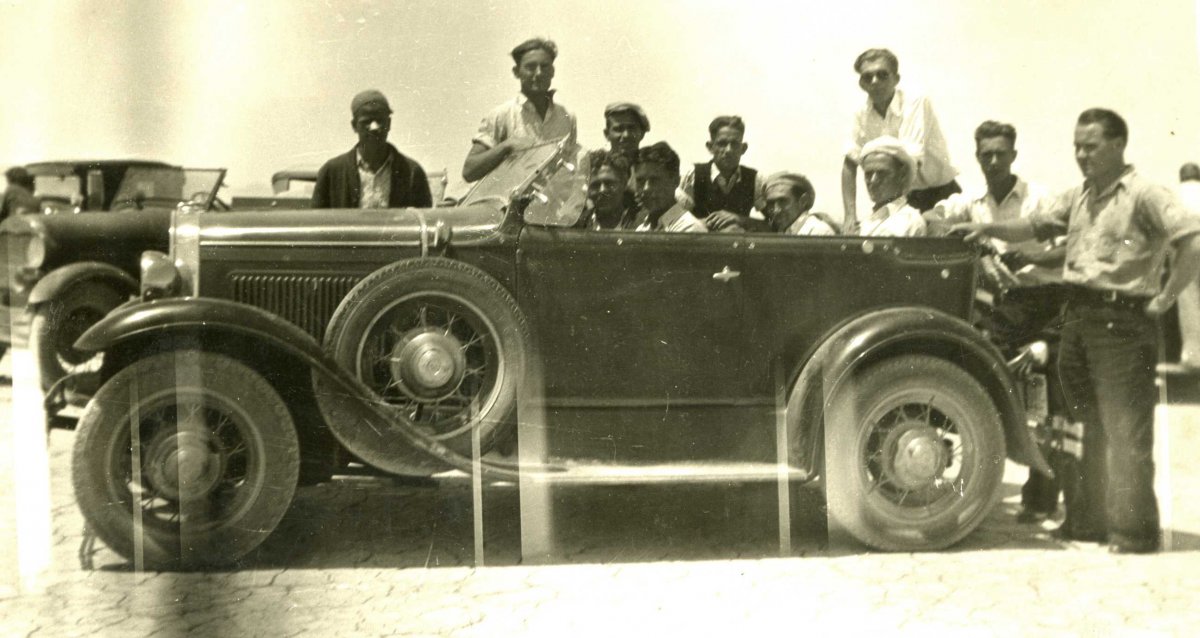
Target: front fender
(61,279)
(220,316)
(911,330)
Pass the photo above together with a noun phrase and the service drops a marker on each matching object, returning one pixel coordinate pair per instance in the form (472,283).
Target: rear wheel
(188,459)
(914,455)
(58,323)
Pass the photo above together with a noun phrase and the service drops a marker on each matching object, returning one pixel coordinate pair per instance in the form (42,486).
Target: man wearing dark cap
(656,176)
(18,197)
(532,117)
(373,174)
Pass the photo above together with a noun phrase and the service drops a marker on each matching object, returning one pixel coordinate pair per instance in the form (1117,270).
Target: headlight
(160,278)
(35,251)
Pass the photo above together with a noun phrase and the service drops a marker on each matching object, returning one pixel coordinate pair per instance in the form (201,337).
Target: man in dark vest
(373,174)
(723,198)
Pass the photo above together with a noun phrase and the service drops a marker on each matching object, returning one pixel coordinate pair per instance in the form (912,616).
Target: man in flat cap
(903,115)
(373,174)
(725,196)
(656,176)
(532,117)
(790,198)
(888,168)
(18,196)
(625,125)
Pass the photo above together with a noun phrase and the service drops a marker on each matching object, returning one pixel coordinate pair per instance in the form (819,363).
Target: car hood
(348,226)
(103,236)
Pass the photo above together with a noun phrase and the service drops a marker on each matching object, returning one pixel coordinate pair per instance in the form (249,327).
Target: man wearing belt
(907,116)
(1118,227)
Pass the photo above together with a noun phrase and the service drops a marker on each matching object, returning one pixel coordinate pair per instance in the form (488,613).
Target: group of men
(1118,232)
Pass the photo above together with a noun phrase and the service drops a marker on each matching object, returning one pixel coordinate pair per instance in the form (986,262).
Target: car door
(643,317)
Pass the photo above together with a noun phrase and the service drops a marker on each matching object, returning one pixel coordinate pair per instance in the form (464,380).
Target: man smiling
(530,118)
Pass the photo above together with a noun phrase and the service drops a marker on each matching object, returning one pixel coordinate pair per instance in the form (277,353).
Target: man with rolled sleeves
(532,117)
(1119,228)
(890,111)
(373,174)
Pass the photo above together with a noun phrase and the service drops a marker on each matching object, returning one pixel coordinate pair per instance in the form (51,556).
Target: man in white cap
(625,125)
(789,200)
(373,174)
(900,114)
(888,168)
(532,117)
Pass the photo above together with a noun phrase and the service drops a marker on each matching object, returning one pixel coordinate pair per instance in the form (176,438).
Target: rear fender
(878,335)
(62,279)
(138,322)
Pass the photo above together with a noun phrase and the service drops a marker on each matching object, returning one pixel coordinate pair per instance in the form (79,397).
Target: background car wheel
(56,325)
(440,344)
(207,473)
(914,455)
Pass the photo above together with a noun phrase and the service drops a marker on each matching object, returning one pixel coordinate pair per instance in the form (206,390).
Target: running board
(574,472)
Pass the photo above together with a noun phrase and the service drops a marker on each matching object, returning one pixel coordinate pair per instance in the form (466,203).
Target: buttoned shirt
(909,118)
(518,118)
(675,220)
(376,184)
(894,219)
(1022,201)
(1117,239)
(686,193)
(810,224)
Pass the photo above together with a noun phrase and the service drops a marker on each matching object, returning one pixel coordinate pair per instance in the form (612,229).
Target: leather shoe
(1065,534)
(1028,516)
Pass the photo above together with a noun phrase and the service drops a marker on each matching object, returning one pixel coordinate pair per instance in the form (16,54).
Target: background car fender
(62,279)
(877,335)
(138,324)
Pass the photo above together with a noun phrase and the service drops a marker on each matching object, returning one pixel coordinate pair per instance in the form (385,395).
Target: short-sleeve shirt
(909,118)
(1117,238)
(1022,201)
(894,219)
(518,118)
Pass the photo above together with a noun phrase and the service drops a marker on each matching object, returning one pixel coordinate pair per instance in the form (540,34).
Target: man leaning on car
(373,174)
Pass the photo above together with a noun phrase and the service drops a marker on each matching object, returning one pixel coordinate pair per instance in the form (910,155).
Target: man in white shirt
(656,176)
(889,169)
(532,117)
(908,117)
(789,198)
(1189,297)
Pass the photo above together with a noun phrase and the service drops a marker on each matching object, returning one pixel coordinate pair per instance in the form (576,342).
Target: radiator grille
(305,300)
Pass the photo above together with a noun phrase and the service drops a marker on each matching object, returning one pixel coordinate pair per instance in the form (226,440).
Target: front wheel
(185,459)
(58,323)
(914,455)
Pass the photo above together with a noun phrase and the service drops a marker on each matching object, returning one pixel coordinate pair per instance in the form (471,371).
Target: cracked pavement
(369,556)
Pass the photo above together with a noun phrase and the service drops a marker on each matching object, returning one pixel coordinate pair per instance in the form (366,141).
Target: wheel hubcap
(183,465)
(920,458)
(428,365)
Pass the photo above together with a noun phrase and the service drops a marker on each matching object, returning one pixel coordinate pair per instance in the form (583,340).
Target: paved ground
(370,557)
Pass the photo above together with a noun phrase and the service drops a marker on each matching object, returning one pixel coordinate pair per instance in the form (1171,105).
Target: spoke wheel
(914,453)
(441,346)
(58,323)
(189,458)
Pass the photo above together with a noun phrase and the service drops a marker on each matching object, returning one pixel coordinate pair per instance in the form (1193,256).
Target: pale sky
(264,85)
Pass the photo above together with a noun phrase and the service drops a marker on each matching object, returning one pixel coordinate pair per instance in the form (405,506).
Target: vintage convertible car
(266,346)
(71,265)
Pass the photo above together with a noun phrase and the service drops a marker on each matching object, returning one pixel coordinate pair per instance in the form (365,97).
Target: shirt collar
(1120,182)
(362,164)
(523,99)
(885,211)
(895,107)
(1019,190)
(730,181)
(670,216)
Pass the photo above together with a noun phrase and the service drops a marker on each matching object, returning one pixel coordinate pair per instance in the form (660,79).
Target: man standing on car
(18,197)
(530,118)
(888,169)
(656,176)
(892,112)
(1033,305)
(1120,228)
(373,174)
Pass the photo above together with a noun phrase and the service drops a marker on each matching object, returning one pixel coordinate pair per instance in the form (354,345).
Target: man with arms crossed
(1119,227)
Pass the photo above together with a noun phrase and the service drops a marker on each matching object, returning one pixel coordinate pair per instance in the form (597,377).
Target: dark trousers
(926,198)
(1106,361)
